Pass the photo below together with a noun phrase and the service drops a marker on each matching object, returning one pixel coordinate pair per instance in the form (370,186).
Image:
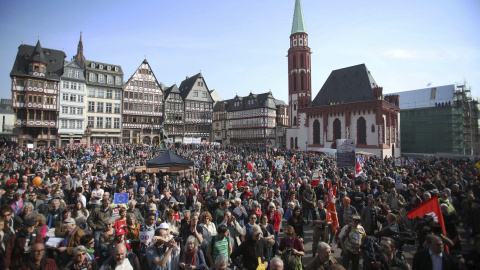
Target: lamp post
(306,145)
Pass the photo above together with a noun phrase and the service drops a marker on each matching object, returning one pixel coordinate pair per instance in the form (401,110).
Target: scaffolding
(442,127)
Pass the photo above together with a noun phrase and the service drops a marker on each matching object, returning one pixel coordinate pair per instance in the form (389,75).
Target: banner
(146,236)
(345,153)
(120,198)
(429,208)
(331,211)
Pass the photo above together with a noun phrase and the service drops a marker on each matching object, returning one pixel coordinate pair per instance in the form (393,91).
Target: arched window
(301,82)
(291,142)
(296,142)
(294,83)
(294,120)
(302,60)
(316,132)
(361,131)
(337,129)
(294,61)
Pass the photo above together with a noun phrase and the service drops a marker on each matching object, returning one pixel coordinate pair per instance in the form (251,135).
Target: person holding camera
(387,246)
(158,255)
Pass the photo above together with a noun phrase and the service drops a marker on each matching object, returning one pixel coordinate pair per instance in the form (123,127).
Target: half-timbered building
(198,108)
(35,90)
(250,120)
(174,114)
(142,107)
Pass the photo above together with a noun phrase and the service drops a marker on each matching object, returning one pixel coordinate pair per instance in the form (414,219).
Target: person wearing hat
(351,237)
(254,250)
(120,238)
(73,234)
(20,243)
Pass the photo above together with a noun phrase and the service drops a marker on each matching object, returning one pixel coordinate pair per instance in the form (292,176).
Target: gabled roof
(171,89)
(54,60)
(187,85)
(298,24)
(143,62)
(346,85)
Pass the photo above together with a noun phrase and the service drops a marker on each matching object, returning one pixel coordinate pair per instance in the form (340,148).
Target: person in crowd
(434,256)
(73,234)
(36,259)
(221,263)
(106,237)
(323,259)
(120,238)
(121,260)
(121,221)
(132,228)
(89,243)
(135,211)
(345,212)
(158,254)
(253,250)
(81,260)
(276,264)
(219,245)
(53,214)
(27,211)
(234,228)
(97,219)
(239,212)
(387,246)
(80,214)
(291,245)
(192,256)
(199,232)
(320,227)
(21,243)
(370,216)
(351,237)
(220,211)
(206,221)
(274,216)
(297,222)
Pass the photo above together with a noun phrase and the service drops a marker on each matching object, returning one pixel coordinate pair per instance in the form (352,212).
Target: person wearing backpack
(351,238)
(219,245)
(291,250)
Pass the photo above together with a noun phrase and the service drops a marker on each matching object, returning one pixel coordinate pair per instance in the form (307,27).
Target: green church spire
(298,25)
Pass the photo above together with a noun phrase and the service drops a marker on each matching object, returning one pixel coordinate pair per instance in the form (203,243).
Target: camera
(373,257)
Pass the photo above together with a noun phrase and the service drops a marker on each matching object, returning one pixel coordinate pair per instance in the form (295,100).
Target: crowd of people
(238,207)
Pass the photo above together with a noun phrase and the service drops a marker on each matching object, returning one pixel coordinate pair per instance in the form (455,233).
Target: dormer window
(100,66)
(109,68)
(93,65)
(42,69)
(116,69)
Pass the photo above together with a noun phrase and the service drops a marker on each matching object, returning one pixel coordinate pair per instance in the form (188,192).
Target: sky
(240,46)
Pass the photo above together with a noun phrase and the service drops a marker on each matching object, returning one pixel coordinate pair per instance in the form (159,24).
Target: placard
(146,236)
(116,213)
(29,145)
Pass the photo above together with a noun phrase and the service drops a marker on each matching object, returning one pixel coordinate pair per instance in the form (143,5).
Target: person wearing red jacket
(37,260)
(274,217)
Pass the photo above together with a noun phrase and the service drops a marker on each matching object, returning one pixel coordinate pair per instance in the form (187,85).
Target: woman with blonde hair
(206,221)
(41,227)
(132,229)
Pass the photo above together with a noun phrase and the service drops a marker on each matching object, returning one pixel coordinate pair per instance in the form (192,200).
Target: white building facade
(72,103)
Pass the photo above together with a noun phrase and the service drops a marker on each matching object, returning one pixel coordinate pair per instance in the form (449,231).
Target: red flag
(430,208)
(293,159)
(358,169)
(331,211)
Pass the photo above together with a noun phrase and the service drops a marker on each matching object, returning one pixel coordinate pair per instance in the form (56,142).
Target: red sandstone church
(350,104)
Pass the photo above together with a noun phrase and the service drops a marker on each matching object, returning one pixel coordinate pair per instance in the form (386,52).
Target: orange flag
(331,211)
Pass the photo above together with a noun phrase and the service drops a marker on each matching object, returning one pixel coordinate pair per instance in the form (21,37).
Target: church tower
(79,56)
(299,73)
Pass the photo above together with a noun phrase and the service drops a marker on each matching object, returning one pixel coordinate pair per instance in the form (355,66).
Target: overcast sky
(240,45)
